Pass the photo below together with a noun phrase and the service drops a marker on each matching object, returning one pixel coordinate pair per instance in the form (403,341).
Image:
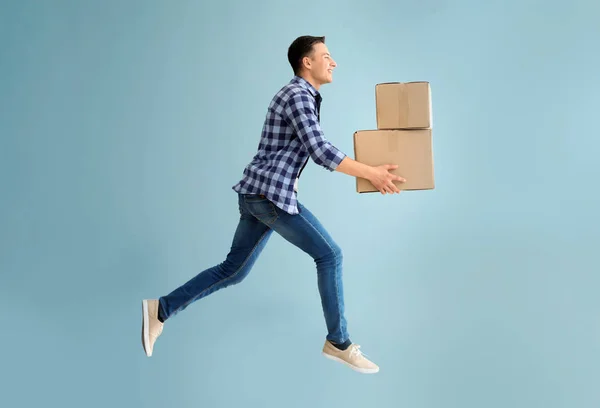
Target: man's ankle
(160,314)
(342,346)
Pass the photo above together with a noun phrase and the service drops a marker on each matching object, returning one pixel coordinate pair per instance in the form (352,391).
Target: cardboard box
(411,150)
(403,105)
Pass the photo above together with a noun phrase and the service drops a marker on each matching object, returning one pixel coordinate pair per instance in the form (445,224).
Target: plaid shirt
(291,135)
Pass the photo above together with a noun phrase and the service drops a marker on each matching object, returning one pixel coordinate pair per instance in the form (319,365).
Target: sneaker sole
(145,325)
(360,370)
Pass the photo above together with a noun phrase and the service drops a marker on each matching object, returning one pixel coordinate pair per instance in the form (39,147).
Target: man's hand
(379,176)
(382,179)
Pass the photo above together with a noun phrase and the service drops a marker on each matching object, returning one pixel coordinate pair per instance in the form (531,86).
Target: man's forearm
(354,168)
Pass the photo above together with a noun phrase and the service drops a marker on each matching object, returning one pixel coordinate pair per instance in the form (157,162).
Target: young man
(267,199)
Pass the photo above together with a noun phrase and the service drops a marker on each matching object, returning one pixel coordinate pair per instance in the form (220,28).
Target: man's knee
(332,252)
(336,251)
(233,272)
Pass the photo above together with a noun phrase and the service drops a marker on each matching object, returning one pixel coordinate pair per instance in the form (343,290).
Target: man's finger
(391,166)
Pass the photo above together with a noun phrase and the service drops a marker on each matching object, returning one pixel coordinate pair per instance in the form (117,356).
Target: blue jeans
(258,219)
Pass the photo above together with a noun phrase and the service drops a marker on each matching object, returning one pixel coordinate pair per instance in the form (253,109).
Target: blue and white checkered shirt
(290,136)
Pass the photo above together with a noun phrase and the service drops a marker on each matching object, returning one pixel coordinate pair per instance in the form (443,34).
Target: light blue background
(124,125)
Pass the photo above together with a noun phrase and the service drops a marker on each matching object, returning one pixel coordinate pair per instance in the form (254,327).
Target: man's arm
(356,169)
(300,113)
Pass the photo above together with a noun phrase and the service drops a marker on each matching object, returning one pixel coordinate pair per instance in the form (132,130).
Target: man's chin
(326,80)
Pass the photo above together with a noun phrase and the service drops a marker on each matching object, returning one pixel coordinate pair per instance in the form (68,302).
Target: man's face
(320,64)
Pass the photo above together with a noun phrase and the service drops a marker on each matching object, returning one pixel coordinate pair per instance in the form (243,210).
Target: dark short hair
(300,48)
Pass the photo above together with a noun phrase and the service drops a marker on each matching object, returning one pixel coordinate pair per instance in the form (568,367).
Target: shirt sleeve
(300,113)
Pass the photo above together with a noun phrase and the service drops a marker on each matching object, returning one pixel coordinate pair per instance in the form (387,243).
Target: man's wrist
(355,168)
(366,171)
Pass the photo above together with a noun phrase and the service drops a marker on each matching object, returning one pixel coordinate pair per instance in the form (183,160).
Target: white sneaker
(352,357)
(151,326)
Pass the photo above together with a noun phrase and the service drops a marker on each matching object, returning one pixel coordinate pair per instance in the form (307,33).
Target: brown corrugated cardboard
(411,150)
(403,105)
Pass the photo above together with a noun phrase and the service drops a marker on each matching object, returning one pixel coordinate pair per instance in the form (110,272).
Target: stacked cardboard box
(403,135)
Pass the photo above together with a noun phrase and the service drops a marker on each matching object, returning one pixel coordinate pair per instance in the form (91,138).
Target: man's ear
(306,62)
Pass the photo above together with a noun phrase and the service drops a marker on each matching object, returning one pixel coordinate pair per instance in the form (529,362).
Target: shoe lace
(355,351)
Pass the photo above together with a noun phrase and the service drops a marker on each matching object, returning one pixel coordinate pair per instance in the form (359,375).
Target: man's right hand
(379,176)
(382,179)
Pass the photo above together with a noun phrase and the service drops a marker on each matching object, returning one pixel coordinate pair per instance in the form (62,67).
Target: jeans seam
(230,277)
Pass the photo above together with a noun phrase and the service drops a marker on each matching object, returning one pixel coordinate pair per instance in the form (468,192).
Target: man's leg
(250,238)
(306,232)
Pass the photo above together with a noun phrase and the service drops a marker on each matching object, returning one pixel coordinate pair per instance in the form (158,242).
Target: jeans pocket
(260,207)
(254,198)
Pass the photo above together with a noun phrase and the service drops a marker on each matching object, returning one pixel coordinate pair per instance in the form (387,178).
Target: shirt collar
(306,85)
